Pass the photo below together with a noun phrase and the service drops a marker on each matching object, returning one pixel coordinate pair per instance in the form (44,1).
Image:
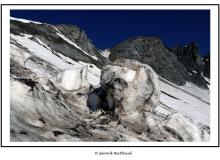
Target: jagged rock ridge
(174,64)
(189,56)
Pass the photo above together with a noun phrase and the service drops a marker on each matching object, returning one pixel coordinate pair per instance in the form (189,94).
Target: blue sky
(107,28)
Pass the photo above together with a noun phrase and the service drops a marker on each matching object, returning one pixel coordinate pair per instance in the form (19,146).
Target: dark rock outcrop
(75,34)
(151,51)
(206,71)
(189,56)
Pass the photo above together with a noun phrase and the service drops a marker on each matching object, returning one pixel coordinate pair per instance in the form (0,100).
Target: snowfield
(190,100)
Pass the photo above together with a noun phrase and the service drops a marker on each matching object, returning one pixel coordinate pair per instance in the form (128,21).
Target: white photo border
(5,74)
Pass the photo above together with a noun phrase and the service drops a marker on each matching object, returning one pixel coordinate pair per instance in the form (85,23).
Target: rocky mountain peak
(151,51)
(150,41)
(177,64)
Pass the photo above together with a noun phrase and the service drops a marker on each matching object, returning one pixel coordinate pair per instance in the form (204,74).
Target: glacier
(49,90)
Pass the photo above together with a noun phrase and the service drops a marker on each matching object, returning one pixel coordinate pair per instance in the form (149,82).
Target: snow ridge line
(72,43)
(24,20)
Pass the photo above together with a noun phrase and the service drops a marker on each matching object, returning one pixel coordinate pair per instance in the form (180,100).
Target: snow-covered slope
(55,60)
(190,100)
(69,40)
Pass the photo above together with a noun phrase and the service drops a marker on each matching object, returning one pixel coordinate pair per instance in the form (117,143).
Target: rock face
(75,34)
(206,60)
(189,56)
(151,51)
(178,64)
